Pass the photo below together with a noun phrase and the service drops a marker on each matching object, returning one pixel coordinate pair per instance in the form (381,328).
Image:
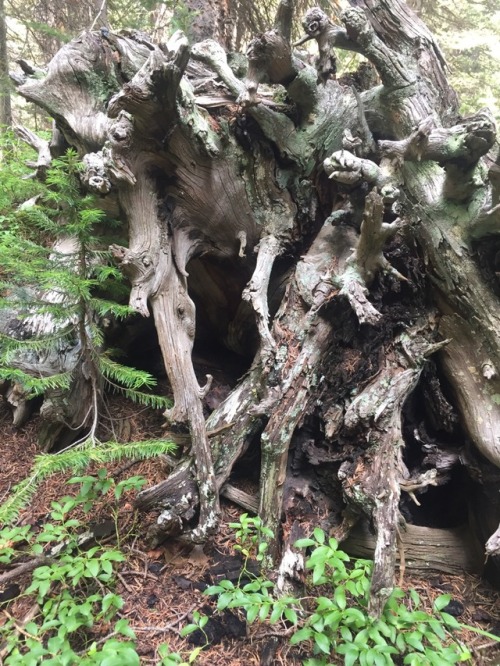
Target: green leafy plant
(58,291)
(335,618)
(93,487)
(74,589)
(169,658)
(252,537)
(16,186)
(199,622)
(255,598)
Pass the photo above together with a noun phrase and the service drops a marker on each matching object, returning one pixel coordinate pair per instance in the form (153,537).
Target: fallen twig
(25,567)
(166,627)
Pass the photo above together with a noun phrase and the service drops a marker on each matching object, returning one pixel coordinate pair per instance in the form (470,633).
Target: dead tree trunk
(358,225)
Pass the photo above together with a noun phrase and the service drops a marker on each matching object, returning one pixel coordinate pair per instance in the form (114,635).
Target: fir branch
(74,460)
(36,385)
(40,344)
(105,272)
(146,399)
(96,334)
(62,312)
(91,216)
(56,295)
(125,376)
(104,307)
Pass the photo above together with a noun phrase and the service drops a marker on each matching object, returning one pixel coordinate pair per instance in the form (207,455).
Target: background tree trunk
(5,107)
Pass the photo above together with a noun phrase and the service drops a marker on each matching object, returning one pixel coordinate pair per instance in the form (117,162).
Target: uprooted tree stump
(342,241)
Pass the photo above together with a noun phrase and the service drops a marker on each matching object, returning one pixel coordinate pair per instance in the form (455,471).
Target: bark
(5,106)
(209,19)
(330,237)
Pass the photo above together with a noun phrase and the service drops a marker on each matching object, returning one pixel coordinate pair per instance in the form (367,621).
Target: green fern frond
(39,385)
(107,452)
(96,335)
(91,216)
(74,460)
(69,284)
(104,272)
(16,355)
(59,312)
(36,217)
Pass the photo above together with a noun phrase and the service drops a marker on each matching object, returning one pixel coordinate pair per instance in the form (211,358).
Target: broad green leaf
(346,634)
(122,627)
(442,601)
(318,573)
(92,568)
(340,598)
(188,629)
(252,613)
(304,543)
(319,535)
(355,617)
(415,597)
(224,600)
(264,611)
(303,634)
(291,615)
(414,640)
(323,643)
(450,621)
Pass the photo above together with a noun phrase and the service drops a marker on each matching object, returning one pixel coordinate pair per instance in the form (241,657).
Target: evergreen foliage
(57,289)
(73,460)
(16,187)
(468,33)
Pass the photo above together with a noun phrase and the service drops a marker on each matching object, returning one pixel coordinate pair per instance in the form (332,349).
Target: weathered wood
(425,549)
(250,187)
(463,143)
(25,567)
(372,485)
(318,26)
(241,498)
(41,146)
(84,125)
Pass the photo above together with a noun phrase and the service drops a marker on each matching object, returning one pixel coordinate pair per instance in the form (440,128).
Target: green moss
(101,88)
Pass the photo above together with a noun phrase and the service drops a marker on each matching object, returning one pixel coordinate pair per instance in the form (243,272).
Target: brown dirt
(155,583)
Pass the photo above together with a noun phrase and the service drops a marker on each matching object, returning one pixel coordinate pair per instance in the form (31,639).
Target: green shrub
(333,618)
(74,589)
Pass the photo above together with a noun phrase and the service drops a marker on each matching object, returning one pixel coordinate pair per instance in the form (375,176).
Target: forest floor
(162,586)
